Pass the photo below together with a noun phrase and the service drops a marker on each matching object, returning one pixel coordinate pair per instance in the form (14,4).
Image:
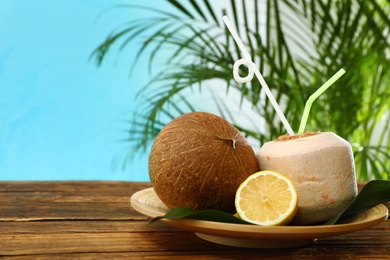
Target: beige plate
(147,203)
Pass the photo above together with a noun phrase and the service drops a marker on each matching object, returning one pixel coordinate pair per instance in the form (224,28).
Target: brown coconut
(198,160)
(321,167)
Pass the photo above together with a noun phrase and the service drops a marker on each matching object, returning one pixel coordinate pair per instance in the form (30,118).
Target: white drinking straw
(254,70)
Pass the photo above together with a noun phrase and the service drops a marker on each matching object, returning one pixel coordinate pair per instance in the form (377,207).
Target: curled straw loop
(236,67)
(253,70)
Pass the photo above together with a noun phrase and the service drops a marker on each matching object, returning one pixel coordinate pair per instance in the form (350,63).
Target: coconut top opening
(292,137)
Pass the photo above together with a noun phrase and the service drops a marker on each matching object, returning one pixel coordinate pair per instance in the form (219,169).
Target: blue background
(61,117)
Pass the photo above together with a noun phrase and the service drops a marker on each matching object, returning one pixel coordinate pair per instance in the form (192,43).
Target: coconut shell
(321,167)
(198,160)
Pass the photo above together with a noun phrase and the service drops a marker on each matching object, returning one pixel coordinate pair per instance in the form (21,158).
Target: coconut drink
(321,167)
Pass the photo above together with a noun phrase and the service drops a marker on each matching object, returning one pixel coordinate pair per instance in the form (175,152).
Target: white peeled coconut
(321,167)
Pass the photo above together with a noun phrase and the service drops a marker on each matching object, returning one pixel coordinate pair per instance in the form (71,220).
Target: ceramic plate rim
(378,214)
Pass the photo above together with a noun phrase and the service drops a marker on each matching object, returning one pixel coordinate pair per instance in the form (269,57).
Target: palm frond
(297,48)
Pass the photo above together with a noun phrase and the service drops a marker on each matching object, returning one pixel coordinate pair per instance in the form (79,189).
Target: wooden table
(49,220)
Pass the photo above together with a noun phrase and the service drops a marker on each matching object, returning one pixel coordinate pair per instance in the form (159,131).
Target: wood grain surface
(94,220)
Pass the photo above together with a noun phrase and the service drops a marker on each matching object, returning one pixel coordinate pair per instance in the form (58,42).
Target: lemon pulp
(266,198)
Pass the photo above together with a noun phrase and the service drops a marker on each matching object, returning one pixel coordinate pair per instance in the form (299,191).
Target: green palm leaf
(297,47)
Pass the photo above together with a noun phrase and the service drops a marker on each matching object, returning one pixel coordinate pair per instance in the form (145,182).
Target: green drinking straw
(314,96)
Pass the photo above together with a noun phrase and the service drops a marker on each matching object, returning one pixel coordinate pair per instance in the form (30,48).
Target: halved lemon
(266,198)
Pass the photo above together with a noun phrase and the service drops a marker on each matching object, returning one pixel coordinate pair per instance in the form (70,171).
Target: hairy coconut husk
(198,160)
(321,167)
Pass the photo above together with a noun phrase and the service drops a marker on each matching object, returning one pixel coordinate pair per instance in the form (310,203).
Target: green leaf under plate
(373,193)
(209,215)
